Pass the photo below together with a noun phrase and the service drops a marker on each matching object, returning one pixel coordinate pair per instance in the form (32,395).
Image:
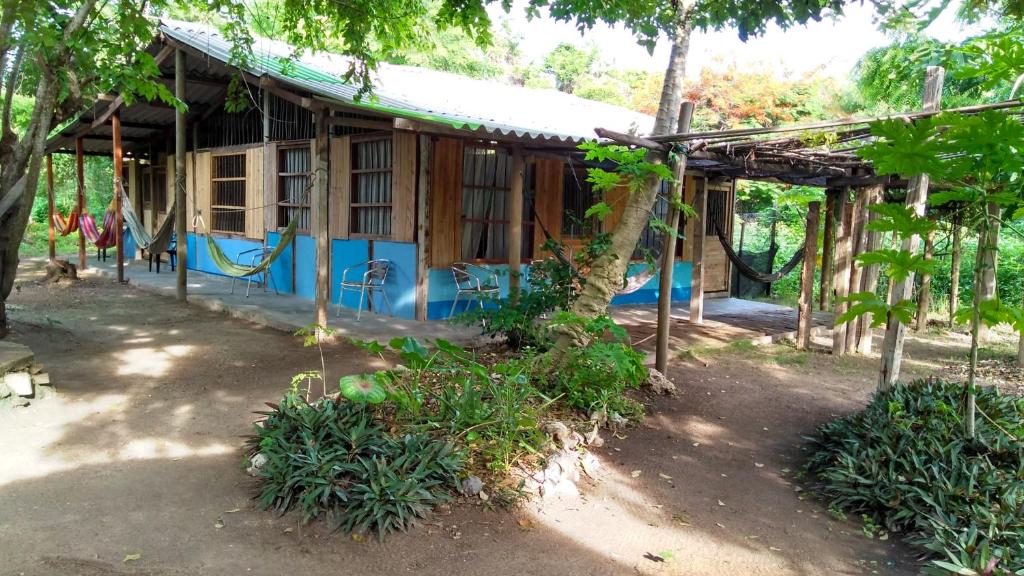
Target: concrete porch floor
(725,319)
(279,311)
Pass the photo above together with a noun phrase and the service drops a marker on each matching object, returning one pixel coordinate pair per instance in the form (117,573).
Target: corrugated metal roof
(458,101)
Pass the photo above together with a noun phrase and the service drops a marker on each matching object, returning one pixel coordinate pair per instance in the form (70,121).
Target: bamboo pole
(700,205)
(80,181)
(668,247)
(515,225)
(422,225)
(869,281)
(954,270)
(917,198)
(52,236)
(806,307)
(841,273)
(322,221)
(925,297)
(115,127)
(828,249)
(180,211)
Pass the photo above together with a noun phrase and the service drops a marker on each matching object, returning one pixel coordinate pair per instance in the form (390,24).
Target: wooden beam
(52,236)
(841,272)
(805,311)
(857,243)
(917,199)
(515,225)
(668,257)
(424,174)
(924,299)
(322,221)
(630,140)
(869,279)
(118,186)
(828,249)
(700,205)
(80,178)
(360,123)
(445,130)
(180,205)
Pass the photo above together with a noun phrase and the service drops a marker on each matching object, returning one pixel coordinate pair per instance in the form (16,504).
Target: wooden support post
(515,224)
(869,280)
(806,307)
(924,299)
(668,249)
(828,249)
(841,273)
(988,282)
(52,237)
(857,242)
(80,201)
(323,240)
(115,128)
(426,157)
(269,170)
(700,206)
(917,198)
(954,270)
(180,209)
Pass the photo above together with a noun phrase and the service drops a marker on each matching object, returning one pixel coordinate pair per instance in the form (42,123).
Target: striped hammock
(105,239)
(65,226)
(155,243)
(229,268)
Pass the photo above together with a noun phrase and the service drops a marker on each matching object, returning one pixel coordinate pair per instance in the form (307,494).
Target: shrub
(332,458)
(594,377)
(493,409)
(905,464)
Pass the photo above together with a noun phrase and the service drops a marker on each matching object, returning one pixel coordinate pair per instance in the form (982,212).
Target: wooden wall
(547,201)
(446,203)
(253,193)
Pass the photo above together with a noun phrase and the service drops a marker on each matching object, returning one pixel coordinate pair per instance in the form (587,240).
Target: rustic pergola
(822,154)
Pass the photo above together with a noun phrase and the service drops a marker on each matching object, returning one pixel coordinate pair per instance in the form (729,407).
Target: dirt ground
(140,455)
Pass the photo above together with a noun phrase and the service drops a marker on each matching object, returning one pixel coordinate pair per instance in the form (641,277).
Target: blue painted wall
(305,267)
(281,269)
(442,288)
(401,281)
(199,254)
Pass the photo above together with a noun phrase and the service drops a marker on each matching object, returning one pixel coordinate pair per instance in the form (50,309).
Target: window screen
(371,187)
(293,186)
(228,206)
(486,181)
(577,198)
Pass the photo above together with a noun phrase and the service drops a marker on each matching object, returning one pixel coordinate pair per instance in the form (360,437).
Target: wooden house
(423,172)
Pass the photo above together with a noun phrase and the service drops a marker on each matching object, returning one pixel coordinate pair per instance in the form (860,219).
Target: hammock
(156,243)
(225,265)
(751,273)
(105,239)
(65,226)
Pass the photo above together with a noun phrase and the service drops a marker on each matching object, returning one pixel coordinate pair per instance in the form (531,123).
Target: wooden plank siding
(341,187)
(446,204)
(403,187)
(254,193)
(547,202)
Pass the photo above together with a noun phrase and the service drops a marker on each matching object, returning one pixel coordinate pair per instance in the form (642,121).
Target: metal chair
(372,280)
(255,256)
(475,282)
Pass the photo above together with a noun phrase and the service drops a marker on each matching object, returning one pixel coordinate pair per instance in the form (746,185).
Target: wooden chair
(372,280)
(473,282)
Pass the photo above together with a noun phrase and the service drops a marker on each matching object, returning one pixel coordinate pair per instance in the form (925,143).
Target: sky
(829,47)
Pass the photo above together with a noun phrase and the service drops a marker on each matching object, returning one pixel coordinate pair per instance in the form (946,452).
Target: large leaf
(364,388)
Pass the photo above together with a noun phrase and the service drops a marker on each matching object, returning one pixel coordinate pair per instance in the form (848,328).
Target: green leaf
(600,210)
(363,388)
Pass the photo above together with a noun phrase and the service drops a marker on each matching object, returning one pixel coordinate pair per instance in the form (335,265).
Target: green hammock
(237,270)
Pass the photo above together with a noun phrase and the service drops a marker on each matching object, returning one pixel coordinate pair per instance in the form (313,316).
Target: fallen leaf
(720,503)
(219,523)
(719,524)
(525,524)
(132,557)
(288,530)
(774,549)
(758,465)
(233,510)
(664,476)
(682,519)
(357,537)
(636,473)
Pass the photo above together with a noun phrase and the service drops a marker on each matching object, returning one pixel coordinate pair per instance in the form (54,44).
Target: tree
(568,64)
(677,21)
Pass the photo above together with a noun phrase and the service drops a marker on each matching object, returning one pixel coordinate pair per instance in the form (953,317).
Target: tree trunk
(609,269)
(989,244)
(924,299)
(954,272)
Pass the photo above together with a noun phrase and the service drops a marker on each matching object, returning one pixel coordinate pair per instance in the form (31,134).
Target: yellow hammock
(225,265)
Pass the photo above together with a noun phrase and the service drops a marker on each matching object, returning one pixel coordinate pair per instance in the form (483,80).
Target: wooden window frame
(283,147)
(527,223)
(159,174)
(581,176)
(354,173)
(213,193)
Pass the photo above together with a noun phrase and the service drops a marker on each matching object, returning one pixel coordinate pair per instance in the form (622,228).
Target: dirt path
(140,455)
